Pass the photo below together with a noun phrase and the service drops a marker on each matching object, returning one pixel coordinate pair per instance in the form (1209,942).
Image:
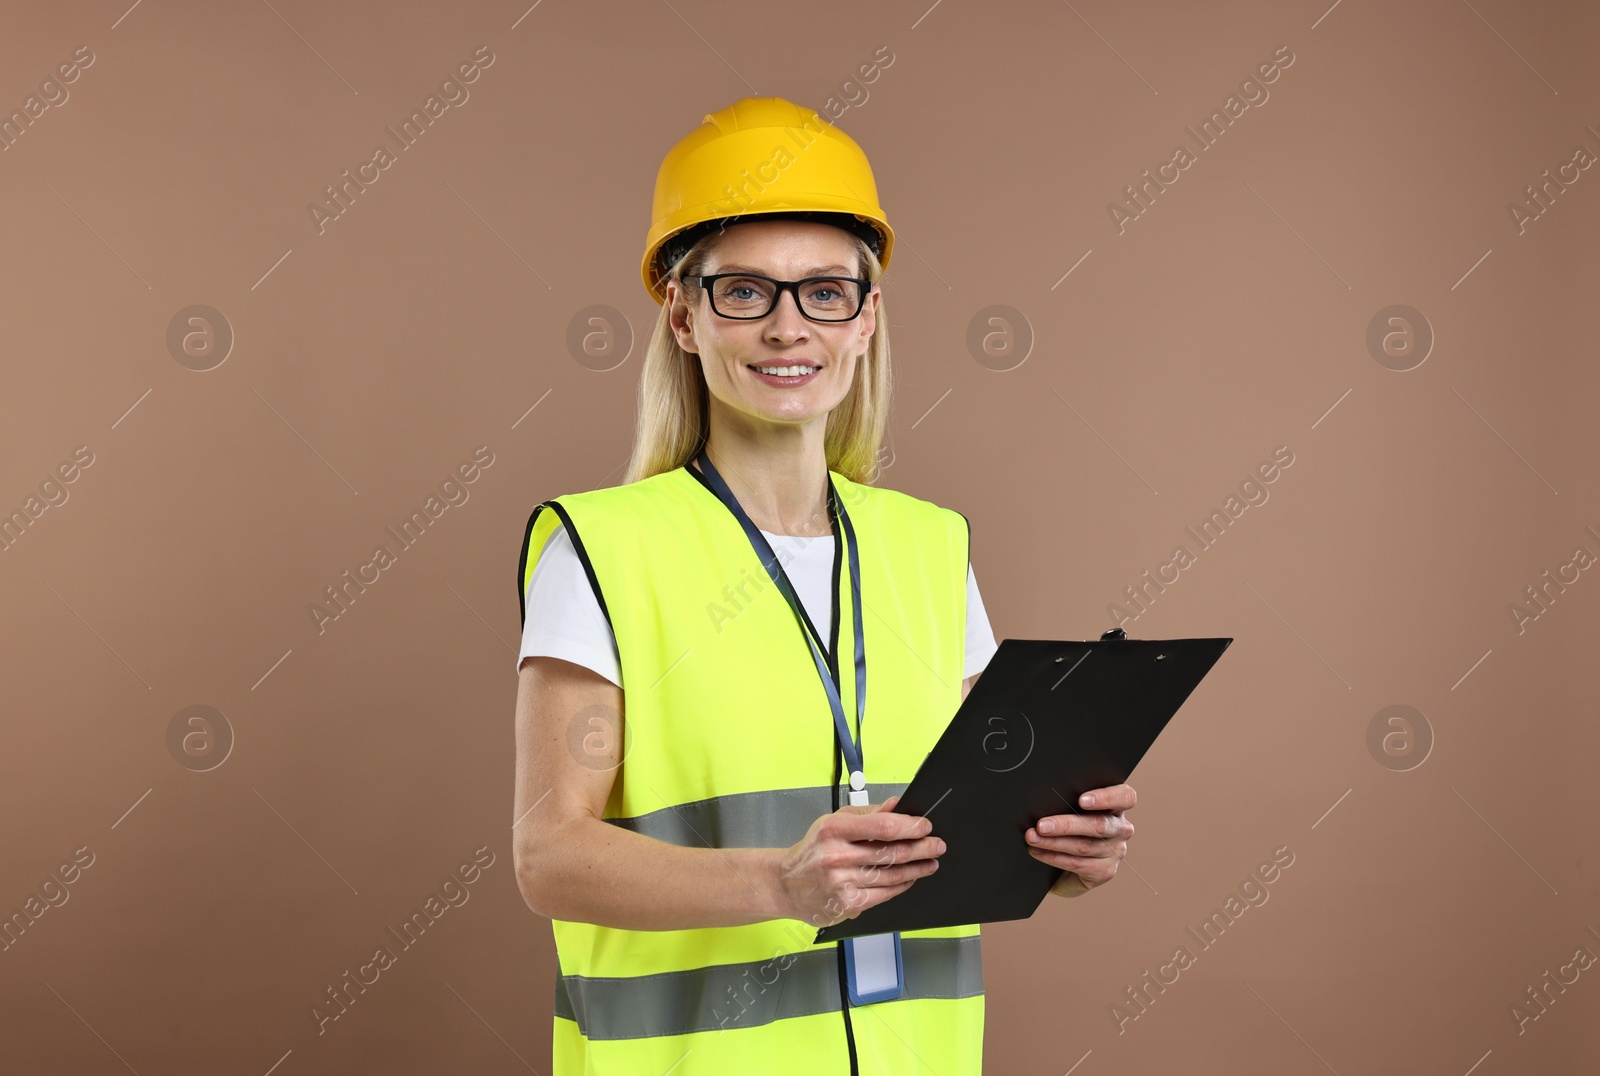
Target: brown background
(371,759)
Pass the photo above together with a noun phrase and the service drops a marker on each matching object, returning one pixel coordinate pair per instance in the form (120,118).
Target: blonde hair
(673,417)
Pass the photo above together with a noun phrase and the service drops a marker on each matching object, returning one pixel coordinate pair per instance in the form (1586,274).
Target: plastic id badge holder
(874,968)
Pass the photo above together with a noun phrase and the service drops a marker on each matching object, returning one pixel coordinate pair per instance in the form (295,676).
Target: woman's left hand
(1088,846)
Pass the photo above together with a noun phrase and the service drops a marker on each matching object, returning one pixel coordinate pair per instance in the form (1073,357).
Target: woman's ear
(869,319)
(681,317)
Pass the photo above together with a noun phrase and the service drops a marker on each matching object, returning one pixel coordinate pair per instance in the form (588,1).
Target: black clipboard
(1047,721)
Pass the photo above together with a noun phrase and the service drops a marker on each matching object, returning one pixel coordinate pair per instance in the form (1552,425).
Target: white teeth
(785,371)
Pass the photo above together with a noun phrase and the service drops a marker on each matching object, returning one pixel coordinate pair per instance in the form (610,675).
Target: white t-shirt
(564,618)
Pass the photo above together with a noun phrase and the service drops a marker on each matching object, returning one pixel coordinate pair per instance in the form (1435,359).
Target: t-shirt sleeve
(980,637)
(563,616)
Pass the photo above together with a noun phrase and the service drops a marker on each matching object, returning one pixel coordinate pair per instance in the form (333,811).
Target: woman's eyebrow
(815,270)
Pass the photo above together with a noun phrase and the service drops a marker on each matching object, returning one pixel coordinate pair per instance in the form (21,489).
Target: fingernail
(1086,800)
(941,848)
(1047,825)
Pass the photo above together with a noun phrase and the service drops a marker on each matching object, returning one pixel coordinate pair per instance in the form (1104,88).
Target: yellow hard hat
(760,156)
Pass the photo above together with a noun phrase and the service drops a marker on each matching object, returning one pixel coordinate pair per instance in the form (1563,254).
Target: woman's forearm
(591,871)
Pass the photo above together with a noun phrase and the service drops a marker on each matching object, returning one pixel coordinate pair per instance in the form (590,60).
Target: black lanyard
(769,560)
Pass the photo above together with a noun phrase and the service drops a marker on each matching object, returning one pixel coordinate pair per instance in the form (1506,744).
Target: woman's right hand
(855,858)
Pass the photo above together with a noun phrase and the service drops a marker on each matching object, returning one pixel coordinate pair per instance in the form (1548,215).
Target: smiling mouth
(788,370)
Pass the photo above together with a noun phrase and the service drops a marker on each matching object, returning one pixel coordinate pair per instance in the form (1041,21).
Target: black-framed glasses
(748,296)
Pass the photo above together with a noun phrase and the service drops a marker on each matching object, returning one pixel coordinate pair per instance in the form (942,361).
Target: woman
(741,585)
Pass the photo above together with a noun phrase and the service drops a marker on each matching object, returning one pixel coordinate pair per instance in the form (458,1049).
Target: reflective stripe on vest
(729,743)
(681,1002)
(775,819)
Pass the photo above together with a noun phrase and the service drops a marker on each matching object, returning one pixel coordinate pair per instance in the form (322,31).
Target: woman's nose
(786,319)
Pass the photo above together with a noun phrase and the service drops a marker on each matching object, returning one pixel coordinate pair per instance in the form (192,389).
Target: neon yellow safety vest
(730,744)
